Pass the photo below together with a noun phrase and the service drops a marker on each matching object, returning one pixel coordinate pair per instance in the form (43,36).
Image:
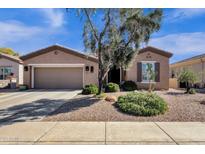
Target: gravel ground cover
(182,107)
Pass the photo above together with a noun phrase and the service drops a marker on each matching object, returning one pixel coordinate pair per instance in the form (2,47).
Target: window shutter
(157,71)
(139,72)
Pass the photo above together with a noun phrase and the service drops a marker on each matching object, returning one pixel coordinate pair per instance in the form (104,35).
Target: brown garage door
(58,78)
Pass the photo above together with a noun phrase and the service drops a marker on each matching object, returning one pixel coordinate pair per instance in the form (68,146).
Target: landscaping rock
(111,98)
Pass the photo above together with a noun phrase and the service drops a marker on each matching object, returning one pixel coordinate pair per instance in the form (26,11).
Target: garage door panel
(61,78)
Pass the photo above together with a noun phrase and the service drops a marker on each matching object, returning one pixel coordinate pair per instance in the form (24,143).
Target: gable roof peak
(61,48)
(156,50)
(10,57)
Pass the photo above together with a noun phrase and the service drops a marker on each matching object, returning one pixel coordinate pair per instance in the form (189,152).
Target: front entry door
(114,75)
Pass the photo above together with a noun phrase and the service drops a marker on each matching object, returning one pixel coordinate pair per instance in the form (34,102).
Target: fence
(173,83)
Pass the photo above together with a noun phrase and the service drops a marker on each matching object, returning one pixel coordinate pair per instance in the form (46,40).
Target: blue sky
(25,30)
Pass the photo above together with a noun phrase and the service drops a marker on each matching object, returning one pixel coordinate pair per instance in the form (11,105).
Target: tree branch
(130,39)
(106,25)
(91,25)
(105,73)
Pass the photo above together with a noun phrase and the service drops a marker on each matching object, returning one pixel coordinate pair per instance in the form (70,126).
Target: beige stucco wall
(150,56)
(16,69)
(62,58)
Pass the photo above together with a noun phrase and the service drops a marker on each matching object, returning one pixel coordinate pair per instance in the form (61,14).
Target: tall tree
(114,35)
(8,51)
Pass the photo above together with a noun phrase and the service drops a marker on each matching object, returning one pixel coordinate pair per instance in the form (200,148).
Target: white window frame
(3,67)
(147,62)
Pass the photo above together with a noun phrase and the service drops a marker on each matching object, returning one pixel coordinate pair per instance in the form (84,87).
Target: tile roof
(191,58)
(62,48)
(89,57)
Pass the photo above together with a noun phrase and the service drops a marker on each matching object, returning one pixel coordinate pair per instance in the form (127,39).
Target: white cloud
(54,17)
(179,14)
(181,43)
(13,31)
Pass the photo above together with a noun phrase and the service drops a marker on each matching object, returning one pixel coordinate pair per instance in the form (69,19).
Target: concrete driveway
(32,104)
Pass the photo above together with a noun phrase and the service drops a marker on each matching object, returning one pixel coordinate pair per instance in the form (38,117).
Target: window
(145,74)
(25,68)
(4,72)
(91,69)
(87,68)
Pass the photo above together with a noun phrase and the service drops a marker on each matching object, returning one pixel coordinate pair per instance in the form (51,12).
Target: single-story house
(10,65)
(196,64)
(60,67)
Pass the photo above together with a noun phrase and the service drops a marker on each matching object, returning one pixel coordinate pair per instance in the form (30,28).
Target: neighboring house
(195,64)
(10,65)
(60,67)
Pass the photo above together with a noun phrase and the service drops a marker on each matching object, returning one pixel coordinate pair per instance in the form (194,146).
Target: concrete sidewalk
(102,133)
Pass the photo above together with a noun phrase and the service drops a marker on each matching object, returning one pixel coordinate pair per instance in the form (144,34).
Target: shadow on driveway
(29,111)
(38,109)
(75,104)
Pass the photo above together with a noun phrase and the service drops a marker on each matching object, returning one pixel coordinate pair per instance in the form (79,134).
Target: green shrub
(23,87)
(112,87)
(90,89)
(188,77)
(142,104)
(129,86)
(192,91)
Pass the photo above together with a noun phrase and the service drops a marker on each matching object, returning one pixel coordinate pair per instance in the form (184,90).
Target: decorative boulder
(111,98)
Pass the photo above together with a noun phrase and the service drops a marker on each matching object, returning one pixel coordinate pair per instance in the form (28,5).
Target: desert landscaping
(181,107)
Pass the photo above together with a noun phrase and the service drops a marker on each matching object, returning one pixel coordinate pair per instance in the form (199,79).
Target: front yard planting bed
(181,107)
(142,104)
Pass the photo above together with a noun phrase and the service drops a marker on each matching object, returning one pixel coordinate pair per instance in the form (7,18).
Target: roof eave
(55,47)
(156,50)
(12,59)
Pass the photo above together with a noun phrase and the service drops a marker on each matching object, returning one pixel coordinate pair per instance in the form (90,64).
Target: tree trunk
(100,79)
(122,74)
(100,83)
(187,87)
(100,71)
(149,87)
